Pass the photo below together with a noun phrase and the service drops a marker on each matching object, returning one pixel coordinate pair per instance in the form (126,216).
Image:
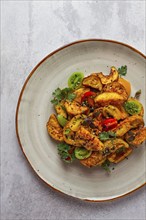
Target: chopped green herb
(63,94)
(137,94)
(71,96)
(106,135)
(66,153)
(106,165)
(122,70)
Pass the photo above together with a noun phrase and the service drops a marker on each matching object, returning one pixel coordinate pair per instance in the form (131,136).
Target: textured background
(30,30)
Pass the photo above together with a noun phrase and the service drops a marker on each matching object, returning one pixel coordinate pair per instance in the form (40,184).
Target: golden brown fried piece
(113,76)
(88,140)
(95,159)
(54,129)
(92,81)
(60,109)
(116,87)
(115,112)
(110,146)
(124,126)
(79,93)
(136,137)
(74,108)
(117,157)
(107,98)
(70,130)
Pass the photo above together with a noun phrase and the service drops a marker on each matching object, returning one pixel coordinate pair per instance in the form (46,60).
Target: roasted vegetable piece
(79,93)
(113,76)
(92,81)
(107,98)
(136,137)
(88,140)
(126,85)
(133,107)
(116,87)
(127,124)
(75,122)
(54,129)
(60,109)
(95,159)
(110,146)
(115,112)
(74,108)
(119,156)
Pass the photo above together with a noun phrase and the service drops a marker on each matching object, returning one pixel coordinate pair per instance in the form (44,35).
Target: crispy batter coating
(124,126)
(110,146)
(74,108)
(107,98)
(117,157)
(116,87)
(115,112)
(60,110)
(54,129)
(113,76)
(79,93)
(88,140)
(93,81)
(95,159)
(136,137)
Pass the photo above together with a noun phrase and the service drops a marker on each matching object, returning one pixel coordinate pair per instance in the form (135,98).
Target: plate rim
(19,101)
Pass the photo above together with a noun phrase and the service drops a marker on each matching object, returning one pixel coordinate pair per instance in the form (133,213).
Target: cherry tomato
(109,124)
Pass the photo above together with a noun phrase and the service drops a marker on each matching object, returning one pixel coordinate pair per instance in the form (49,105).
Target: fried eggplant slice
(92,81)
(107,98)
(113,76)
(79,93)
(111,146)
(88,140)
(60,109)
(136,137)
(115,112)
(95,159)
(129,123)
(54,129)
(119,156)
(116,87)
(74,108)
(70,130)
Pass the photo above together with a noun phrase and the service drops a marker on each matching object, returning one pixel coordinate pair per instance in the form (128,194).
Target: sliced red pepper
(87,97)
(109,124)
(87,94)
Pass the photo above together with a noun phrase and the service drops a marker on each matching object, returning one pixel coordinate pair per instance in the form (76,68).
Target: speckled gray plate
(34,108)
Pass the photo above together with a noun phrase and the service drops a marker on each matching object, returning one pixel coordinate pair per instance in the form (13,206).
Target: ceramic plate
(34,109)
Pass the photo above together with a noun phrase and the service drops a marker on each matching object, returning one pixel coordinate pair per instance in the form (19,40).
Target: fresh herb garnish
(122,70)
(66,152)
(106,135)
(137,94)
(62,94)
(106,165)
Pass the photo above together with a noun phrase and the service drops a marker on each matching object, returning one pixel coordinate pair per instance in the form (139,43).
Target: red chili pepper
(87,97)
(109,124)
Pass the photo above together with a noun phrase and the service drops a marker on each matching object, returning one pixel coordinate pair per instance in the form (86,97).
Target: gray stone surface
(30,30)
